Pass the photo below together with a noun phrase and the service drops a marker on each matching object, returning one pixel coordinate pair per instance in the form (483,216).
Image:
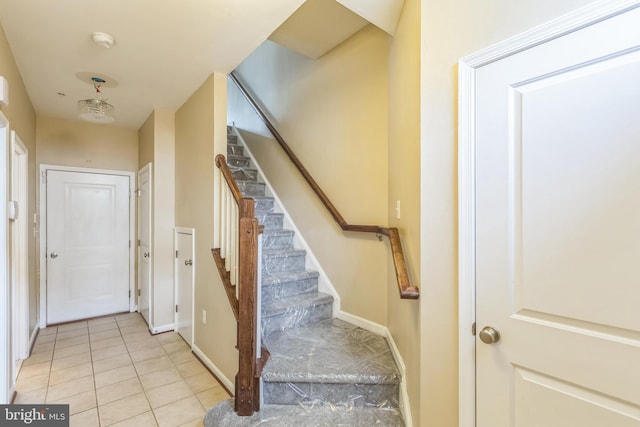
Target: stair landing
(330,362)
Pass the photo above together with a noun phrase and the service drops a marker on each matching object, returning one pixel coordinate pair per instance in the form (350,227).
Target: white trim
(191,232)
(5,318)
(324,284)
(405,406)
(149,169)
(467,68)
(43,230)
(19,260)
(162,328)
(216,371)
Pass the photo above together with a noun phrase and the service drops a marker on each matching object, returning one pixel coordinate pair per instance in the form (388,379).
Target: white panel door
(144,243)
(184,283)
(87,245)
(558,231)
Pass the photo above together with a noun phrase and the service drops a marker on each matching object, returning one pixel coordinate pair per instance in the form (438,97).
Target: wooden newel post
(247,397)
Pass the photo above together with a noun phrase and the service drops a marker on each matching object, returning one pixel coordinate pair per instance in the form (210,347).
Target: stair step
(270,220)
(330,362)
(232,139)
(263,204)
(277,239)
(277,286)
(235,149)
(244,174)
(251,188)
(295,312)
(277,260)
(223,415)
(238,161)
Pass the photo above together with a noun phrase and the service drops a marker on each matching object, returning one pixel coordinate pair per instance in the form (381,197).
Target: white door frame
(43,230)
(20,258)
(192,232)
(149,169)
(5,319)
(467,68)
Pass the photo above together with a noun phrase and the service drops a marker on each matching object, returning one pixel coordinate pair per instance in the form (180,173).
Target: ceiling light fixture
(96,110)
(102,39)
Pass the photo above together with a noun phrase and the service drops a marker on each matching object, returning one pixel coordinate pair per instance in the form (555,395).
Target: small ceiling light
(96,110)
(102,39)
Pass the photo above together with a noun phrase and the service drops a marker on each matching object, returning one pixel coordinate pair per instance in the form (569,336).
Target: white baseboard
(216,371)
(32,339)
(160,329)
(378,329)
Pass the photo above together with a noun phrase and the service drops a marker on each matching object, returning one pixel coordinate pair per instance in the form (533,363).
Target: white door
(558,231)
(184,283)
(87,245)
(144,242)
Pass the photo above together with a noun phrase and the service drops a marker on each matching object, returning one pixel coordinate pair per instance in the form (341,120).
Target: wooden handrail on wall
(243,297)
(406,290)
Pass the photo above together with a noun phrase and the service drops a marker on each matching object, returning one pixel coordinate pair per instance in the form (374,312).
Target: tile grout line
(46,392)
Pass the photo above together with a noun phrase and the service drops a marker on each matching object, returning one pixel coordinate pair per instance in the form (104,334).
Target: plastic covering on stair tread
(222,415)
(295,311)
(331,363)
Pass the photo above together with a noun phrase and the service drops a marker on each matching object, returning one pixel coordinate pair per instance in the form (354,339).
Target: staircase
(322,371)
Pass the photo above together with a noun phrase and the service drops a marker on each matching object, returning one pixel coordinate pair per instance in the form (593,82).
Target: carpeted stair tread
(296,303)
(263,204)
(283,277)
(238,161)
(222,415)
(330,351)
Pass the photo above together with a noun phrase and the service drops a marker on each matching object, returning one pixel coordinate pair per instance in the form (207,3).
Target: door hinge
(138,292)
(473,329)
(129,244)
(139,193)
(44,177)
(129,294)
(176,308)
(138,242)
(176,254)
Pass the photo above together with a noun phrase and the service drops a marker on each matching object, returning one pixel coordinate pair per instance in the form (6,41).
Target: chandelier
(96,110)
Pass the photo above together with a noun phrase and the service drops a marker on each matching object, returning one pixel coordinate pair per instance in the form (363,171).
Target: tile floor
(112,372)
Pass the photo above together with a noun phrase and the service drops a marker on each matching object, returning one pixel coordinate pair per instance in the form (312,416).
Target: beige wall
(404,185)
(86,145)
(333,113)
(451,30)
(22,119)
(157,146)
(200,128)
(163,218)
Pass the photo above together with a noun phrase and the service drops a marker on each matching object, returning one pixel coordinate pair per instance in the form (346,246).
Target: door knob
(54,255)
(188,262)
(146,255)
(489,335)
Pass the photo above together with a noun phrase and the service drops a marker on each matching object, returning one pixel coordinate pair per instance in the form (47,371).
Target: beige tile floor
(112,372)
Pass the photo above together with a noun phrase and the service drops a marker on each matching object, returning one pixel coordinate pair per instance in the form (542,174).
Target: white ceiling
(164,49)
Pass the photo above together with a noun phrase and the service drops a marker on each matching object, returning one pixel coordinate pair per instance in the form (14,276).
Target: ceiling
(164,49)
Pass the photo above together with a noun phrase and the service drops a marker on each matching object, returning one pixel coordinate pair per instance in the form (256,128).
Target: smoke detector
(103,39)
